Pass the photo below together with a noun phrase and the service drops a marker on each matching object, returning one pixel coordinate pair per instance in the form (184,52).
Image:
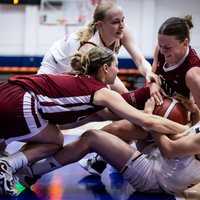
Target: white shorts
(139,172)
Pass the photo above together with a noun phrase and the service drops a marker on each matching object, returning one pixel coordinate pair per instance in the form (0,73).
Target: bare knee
(90,136)
(125,130)
(122,129)
(60,140)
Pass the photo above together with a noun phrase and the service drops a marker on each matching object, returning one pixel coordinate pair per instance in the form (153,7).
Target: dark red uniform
(172,80)
(29,103)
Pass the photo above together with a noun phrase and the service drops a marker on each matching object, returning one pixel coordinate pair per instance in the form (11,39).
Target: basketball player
(106,29)
(178,67)
(171,168)
(175,62)
(36,104)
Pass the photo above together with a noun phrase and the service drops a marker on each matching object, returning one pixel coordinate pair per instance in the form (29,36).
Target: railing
(130,77)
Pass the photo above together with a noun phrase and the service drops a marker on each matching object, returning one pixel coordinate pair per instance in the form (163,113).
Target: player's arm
(191,106)
(119,106)
(155,59)
(155,89)
(193,83)
(100,116)
(188,145)
(142,64)
(185,146)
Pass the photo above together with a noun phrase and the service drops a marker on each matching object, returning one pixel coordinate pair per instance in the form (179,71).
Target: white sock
(16,160)
(45,166)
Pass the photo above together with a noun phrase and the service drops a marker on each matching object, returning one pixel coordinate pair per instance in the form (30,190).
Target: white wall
(144,18)
(22,34)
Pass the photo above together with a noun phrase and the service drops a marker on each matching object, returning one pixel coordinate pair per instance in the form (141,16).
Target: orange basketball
(173,110)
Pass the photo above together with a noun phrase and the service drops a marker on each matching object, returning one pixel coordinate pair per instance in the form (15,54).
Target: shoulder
(193,72)
(193,57)
(193,64)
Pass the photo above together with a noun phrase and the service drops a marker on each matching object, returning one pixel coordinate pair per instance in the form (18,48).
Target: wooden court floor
(72,182)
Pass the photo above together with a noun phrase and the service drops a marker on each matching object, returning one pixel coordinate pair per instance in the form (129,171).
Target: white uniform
(57,59)
(153,173)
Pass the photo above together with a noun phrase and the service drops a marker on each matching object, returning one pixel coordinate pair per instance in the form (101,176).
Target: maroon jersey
(173,81)
(29,103)
(63,98)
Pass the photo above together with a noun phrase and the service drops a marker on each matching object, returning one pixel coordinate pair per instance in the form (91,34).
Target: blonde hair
(90,62)
(87,32)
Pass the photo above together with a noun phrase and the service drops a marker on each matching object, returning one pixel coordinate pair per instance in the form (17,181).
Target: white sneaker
(7,180)
(26,177)
(93,166)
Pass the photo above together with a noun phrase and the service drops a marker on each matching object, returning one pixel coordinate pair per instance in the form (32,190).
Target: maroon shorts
(19,118)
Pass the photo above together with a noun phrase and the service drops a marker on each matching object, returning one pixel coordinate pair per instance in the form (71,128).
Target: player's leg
(106,145)
(39,146)
(110,147)
(45,143)
(51,139)
(123,129)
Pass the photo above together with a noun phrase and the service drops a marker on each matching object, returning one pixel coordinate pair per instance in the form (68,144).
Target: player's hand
(157,93)
(188,103)
(152,77)
(149,106)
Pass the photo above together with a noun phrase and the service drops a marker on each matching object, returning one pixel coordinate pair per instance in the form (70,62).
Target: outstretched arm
(142,64)
(185,146)
(119,106)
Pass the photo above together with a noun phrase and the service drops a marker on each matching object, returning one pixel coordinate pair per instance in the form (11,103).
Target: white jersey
(57,59)
(152,173)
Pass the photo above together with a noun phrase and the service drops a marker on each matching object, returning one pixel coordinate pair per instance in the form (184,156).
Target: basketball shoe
(93,165)
(7,180)
(26,177)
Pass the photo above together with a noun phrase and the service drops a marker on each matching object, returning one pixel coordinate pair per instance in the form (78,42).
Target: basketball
(173,110)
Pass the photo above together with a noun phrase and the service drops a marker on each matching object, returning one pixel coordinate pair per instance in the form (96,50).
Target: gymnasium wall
(23,40)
